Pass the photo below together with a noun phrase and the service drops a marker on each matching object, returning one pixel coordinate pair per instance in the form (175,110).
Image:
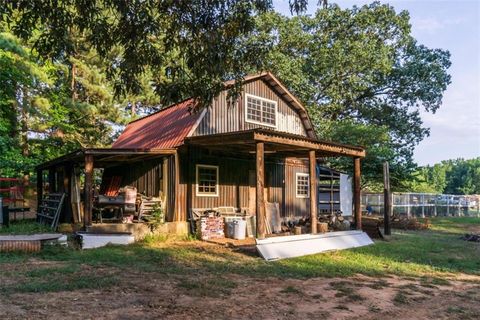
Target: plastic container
(239,229)
(229,229)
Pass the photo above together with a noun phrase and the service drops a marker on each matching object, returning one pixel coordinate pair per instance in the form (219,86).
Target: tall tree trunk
(73,88)
(24,123)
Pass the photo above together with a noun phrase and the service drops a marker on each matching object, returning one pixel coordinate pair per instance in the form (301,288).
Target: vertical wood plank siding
(234,185)
(223,117)
(295,207)
(145,176)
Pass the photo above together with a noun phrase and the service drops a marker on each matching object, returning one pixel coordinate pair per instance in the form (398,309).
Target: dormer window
(260,111)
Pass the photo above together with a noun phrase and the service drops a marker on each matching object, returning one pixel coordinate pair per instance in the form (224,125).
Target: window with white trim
(261,111)
(303,185)
(207,180)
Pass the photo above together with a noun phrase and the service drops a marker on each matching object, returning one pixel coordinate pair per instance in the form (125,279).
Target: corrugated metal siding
(233,181)
(223,117)
(234,185)
(295,208)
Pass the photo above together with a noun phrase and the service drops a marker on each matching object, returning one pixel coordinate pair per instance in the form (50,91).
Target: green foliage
(361,74)
(41,117)
(24,227)
(187,47)
(451,177)
(157,217)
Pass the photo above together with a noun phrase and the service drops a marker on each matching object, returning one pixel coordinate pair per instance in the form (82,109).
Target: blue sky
(455,26)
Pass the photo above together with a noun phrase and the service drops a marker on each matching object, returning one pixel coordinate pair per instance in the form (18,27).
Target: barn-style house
(241,154)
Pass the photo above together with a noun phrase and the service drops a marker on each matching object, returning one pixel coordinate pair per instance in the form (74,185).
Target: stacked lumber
(210,227)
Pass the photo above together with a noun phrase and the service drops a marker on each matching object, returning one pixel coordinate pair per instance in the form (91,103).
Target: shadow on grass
(409,253)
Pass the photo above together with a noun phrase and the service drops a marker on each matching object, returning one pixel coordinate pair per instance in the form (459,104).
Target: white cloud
(434,24)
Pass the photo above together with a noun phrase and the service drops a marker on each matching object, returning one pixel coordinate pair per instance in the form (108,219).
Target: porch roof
(103,156)
(275,142)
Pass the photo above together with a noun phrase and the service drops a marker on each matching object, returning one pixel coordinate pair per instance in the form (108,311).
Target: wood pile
(409,223)
(471,237)
(372,226)
(210,227)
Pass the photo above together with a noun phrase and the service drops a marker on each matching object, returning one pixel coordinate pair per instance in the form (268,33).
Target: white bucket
(239,229)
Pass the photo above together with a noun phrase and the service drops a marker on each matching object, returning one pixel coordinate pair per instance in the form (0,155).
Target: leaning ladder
(50,208)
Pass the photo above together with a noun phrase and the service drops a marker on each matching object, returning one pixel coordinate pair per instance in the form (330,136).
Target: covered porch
(93,179)
(260,143)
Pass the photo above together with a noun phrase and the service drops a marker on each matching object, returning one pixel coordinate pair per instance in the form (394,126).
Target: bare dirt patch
(207,296)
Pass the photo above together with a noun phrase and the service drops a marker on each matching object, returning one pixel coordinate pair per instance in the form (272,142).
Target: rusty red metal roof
(164,129)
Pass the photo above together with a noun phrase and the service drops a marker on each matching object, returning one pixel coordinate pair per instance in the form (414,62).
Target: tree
(22,84)
(189,47)
(40,118)
(451,177)
(360,73)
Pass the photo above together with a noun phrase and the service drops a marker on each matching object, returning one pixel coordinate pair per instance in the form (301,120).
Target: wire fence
(423,204)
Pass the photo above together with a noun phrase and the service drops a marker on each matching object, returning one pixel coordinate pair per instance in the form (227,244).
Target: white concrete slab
(97,240)
(295,246)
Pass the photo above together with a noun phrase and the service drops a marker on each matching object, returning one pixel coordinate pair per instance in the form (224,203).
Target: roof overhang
(103,156)
(275,142)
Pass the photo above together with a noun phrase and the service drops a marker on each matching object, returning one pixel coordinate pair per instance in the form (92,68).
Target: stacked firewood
(210,227)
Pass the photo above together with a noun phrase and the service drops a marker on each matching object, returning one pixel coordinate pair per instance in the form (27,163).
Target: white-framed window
(207,180)
(302,185)
(260,111)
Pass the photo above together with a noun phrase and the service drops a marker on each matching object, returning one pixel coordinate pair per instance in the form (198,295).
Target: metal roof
(164,129)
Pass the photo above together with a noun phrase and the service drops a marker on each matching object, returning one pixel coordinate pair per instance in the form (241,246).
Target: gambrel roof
(169,127)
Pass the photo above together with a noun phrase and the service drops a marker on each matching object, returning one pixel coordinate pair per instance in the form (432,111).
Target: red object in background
(11,190)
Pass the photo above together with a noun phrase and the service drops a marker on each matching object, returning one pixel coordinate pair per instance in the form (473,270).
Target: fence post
(448,206)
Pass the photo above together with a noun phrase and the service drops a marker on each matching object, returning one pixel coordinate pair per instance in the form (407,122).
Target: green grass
(24,227)
(429,255)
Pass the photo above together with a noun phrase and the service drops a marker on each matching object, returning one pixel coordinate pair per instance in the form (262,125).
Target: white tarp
(346,195)
(295,246)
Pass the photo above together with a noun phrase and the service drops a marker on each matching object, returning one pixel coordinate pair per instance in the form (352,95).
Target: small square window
(303,185)
(207,180)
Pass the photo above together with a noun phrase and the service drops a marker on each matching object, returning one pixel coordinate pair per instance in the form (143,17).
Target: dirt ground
(177,297)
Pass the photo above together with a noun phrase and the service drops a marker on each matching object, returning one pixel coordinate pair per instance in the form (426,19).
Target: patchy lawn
(416,274)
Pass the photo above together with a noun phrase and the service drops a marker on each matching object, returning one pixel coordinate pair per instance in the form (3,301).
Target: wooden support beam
(39,189)
(387,197)
(313,190)
(67,215)
(356,193)
(260,203)
(88,191)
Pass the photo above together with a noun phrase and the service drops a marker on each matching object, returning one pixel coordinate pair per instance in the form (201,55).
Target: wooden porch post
(313,190)
(88,201)
(260,205)
(39,188)
(356,194)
